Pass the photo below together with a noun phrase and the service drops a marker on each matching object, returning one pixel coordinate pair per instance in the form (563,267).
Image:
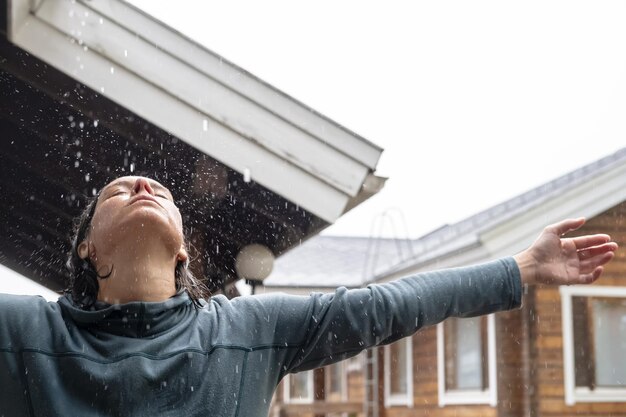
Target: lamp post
(254,263)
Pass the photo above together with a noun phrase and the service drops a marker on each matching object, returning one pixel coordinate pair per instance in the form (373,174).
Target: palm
(568,261)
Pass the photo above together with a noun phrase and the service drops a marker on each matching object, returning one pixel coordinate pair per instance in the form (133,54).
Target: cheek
(178,221)
(102,222)
(100,226)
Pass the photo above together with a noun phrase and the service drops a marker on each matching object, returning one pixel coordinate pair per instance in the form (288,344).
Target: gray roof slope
(332,261)
(329,261)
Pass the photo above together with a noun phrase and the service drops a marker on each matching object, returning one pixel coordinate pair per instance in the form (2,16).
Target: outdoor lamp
(254,263)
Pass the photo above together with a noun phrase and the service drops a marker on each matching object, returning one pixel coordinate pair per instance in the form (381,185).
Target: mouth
(143,198)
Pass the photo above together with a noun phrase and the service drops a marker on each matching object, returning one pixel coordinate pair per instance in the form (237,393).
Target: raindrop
(86,177)
(205,125)
(81,125)
(112,70)
(76,164)
(246,174)
(102,89)
(125,53)
(132,167)
(95,123)
(101,20)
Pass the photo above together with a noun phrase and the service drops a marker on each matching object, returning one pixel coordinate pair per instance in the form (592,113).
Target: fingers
(588,265)
(565,226)
(583,242)
(591,277)
(591,251)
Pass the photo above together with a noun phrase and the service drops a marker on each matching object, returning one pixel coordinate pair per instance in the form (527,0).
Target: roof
(329,261)
(468,232)
(91,90)
(199,97)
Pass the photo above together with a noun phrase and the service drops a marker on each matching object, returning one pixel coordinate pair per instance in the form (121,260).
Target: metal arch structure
(95,89)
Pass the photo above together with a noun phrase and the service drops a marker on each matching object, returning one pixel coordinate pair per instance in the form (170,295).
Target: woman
(135,336)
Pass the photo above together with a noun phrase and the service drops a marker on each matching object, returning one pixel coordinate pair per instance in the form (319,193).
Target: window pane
(299,385)
(334,378)
(398,361)
(609,321)
(465,353)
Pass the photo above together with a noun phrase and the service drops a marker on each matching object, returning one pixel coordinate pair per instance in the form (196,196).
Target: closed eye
(116,193)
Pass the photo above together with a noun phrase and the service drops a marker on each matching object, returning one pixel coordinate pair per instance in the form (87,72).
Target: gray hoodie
(225,359)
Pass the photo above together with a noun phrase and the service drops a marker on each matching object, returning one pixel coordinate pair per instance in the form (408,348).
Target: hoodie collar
(134,319)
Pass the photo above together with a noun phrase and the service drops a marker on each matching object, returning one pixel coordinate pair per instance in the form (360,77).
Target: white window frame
(399,399)
(575,394)
(487,396)
(287,390)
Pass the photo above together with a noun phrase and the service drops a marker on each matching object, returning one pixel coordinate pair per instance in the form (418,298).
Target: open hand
(553,259)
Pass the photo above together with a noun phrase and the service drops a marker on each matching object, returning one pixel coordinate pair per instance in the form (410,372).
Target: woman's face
(135,210)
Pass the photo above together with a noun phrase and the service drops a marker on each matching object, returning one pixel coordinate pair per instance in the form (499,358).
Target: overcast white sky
(473,102)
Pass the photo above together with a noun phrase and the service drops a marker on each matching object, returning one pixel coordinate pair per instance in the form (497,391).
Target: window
(466,361)
(399,373)
(298,387)
(336,382)
(594,343)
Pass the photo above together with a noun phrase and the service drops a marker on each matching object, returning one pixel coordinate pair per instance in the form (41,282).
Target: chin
(145,224)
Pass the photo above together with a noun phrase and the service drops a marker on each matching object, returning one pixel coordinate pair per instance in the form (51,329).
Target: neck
(137,275)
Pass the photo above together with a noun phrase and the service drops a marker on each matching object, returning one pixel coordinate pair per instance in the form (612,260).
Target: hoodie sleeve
(325,328)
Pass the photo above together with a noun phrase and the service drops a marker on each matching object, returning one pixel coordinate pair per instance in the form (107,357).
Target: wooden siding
(548,343)
(511,360)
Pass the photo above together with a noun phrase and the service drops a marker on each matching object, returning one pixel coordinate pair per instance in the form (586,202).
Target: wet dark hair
(83,277)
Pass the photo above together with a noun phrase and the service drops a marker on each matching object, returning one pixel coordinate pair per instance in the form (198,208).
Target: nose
(142,184)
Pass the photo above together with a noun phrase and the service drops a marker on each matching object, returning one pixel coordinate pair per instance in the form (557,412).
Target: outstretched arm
(556,260)
(308,332)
